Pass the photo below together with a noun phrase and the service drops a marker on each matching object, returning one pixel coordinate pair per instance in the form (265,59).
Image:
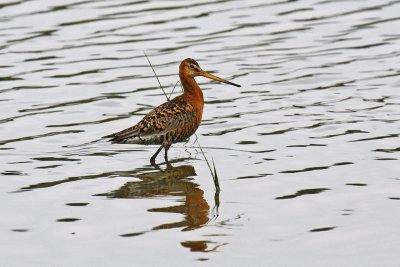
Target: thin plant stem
(173,89)
(155,74)
(213,173)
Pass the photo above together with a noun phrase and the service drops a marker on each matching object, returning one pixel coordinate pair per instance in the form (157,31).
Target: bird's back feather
(172,122)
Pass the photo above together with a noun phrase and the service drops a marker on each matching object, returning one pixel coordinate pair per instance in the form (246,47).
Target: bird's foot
(169,166)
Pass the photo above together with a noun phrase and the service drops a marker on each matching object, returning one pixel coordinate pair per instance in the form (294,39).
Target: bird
(173,121)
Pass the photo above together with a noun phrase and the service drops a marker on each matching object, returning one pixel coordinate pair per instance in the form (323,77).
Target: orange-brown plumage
(175,120)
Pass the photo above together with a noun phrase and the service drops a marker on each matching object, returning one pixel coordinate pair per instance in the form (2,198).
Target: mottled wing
(173,121)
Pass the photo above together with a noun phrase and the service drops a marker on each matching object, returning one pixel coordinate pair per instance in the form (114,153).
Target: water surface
(306,151)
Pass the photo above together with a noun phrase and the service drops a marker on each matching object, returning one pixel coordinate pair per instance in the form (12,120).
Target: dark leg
(153,158)
(166,154)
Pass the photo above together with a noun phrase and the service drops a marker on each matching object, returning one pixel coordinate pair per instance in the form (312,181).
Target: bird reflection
(201,246)
(173,181)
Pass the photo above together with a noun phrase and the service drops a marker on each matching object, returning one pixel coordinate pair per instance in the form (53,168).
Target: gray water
(306,151)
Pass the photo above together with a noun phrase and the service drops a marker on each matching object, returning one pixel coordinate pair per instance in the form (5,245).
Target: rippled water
(306,151)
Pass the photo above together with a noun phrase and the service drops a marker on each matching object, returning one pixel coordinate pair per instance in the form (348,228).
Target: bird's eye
(191,66)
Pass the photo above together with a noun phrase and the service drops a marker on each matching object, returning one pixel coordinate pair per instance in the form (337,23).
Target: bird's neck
(192,93)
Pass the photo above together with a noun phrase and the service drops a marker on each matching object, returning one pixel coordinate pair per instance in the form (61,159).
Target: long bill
(215,78)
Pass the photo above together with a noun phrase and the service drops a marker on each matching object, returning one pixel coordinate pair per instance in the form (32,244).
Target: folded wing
(173,121)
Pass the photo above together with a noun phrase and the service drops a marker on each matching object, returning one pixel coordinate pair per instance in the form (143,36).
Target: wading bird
(175,120)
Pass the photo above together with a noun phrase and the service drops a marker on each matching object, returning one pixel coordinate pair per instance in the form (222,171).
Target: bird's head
(190,67)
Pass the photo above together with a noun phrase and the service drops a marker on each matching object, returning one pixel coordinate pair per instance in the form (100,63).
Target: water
(306,151)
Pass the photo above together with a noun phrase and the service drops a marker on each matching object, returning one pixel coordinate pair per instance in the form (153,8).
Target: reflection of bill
(201,245)
(173,181)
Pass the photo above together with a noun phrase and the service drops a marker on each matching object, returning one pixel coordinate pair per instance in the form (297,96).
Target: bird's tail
(123,136)
(111,137)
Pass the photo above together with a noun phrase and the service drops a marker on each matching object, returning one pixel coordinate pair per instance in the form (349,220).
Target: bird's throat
(192,90)
(193,94)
